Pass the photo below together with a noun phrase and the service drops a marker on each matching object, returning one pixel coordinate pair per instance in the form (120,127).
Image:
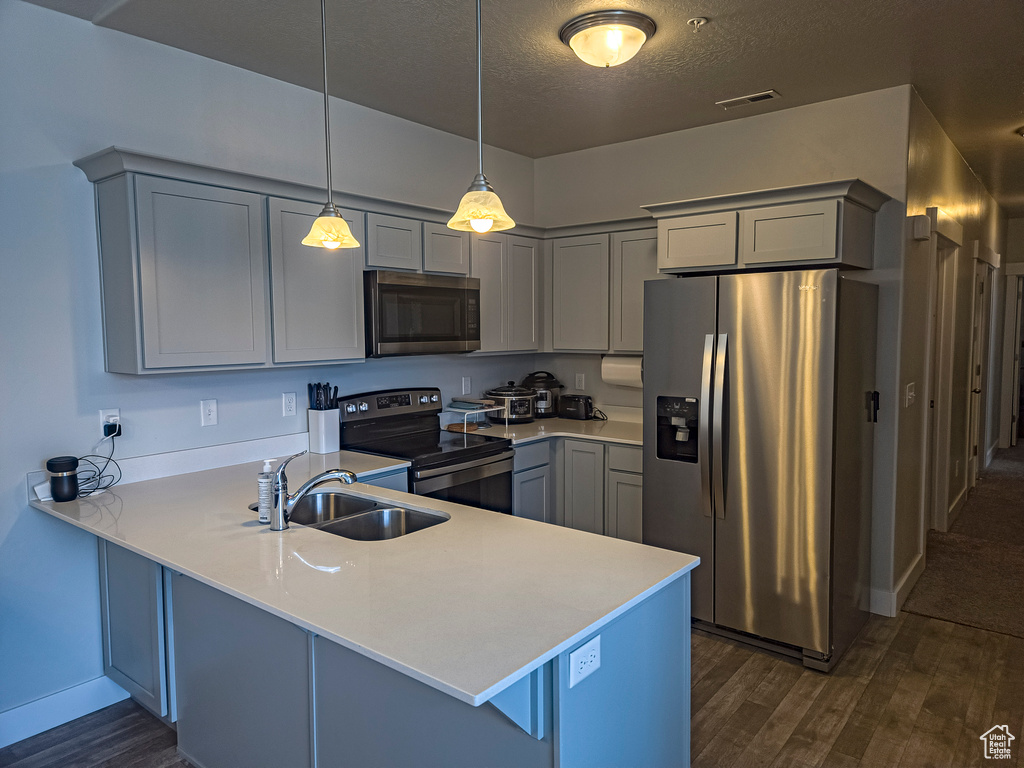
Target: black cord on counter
(94,480)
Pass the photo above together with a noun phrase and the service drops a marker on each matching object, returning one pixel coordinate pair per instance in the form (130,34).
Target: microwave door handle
(721,359)
(704,426)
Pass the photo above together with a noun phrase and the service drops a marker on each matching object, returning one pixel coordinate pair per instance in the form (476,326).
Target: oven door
(414,314)
(485,483)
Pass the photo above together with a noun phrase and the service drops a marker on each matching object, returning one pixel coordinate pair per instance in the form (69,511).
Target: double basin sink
(360,519)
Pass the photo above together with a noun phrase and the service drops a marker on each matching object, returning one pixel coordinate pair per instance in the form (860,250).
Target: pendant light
(480,209)
(607,38)
(329,230)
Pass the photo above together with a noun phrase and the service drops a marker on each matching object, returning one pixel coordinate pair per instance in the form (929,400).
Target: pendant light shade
(607,38)
(329,230)
(480,209)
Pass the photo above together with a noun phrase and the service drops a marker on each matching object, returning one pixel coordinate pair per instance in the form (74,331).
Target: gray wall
(937,176)
(68,89)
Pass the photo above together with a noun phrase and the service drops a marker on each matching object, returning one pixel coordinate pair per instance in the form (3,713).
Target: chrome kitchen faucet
(284,503)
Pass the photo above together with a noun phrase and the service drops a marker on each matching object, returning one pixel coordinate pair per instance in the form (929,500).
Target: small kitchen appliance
(546,387)
(576,407)
(517,404)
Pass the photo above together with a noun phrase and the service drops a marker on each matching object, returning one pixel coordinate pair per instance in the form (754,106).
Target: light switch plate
(207,413)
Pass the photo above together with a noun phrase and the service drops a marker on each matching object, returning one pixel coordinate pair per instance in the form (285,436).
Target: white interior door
(947,237)
(977,364)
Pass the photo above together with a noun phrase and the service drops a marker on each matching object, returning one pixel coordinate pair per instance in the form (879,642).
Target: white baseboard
(58,708)
(889,603)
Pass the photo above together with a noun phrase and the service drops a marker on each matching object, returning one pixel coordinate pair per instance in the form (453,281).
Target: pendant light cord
(479,92)
(327,106)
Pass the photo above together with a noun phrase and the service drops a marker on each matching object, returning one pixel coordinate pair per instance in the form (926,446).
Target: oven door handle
(462,476)
(423,474)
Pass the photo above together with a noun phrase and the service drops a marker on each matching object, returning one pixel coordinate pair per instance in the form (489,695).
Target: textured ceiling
(417,60)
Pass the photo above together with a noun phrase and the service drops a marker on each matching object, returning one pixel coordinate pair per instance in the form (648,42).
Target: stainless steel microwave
(408,313)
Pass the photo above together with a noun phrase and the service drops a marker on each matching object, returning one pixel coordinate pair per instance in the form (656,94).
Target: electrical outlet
(207,413)
(467,385)
(287,403)
(584,661)
(580,381)
(110,416)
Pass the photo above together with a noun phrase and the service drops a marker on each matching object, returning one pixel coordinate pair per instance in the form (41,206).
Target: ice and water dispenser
(677,428)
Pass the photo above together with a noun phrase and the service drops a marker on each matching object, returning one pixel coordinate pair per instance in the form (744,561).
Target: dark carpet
(974,574)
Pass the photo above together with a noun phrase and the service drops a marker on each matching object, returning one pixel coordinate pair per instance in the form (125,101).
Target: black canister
(63,477)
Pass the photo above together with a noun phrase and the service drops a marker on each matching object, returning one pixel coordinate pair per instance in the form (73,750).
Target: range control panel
(390,402)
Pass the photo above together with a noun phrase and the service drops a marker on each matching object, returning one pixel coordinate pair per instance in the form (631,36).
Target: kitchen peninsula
(447,646)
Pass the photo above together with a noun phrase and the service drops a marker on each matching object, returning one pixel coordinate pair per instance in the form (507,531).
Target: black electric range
(405,424)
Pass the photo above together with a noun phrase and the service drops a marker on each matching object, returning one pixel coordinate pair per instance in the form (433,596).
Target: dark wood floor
(912,692)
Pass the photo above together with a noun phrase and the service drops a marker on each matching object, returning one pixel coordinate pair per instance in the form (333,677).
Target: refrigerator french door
(758,403)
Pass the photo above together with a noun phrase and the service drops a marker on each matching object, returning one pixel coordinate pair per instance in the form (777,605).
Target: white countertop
(623,432)
(468,606)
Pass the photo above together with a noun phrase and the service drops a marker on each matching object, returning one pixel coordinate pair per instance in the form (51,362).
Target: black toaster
(576,407)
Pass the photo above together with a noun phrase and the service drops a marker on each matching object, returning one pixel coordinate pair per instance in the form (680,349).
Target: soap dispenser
(265,501)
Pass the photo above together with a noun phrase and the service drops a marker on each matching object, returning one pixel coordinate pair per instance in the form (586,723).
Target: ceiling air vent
(744,100)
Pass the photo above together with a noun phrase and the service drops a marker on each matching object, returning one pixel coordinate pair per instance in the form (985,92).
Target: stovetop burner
(405,424)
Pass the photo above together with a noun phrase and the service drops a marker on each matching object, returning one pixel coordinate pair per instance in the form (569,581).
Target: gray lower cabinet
(531,494)
(583,494)
(623,504)
(137,628)
(580,293)
(316,293)
(243,678)
(183,275)
(508,268)
(634,259)
(533,482)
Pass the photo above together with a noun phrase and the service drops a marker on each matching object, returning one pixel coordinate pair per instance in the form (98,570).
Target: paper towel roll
(621,371)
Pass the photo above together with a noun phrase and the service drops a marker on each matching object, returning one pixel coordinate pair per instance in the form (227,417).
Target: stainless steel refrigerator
(759,405)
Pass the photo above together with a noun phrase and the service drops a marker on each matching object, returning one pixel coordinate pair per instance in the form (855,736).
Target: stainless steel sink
(383,523)
(315,508)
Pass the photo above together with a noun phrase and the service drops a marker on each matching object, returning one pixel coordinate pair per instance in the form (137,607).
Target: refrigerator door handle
(704,428)
(718,436)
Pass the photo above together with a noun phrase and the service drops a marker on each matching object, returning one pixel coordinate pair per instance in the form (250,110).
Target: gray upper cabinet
(183,275)
(634,260)
(580,295)
(316,293)
(708,240)
(508,269)
(394,242)
(523,294)
(445,250)
(828,224)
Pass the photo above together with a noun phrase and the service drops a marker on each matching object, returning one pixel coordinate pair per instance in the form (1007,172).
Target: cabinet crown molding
(853,190)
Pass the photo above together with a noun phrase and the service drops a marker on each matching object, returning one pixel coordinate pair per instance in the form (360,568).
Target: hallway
(974,573)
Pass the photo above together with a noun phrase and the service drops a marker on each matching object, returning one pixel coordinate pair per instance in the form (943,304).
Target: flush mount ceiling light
(329,230)
(607,38)
(480,209)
